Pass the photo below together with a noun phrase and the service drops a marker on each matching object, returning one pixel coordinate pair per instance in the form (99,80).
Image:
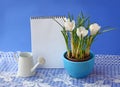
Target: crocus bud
(81,31)
(69,26)
(94,28)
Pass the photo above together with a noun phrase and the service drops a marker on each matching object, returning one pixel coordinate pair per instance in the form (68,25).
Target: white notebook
(47,40)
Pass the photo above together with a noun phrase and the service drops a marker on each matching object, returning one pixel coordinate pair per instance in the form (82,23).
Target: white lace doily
(106,73)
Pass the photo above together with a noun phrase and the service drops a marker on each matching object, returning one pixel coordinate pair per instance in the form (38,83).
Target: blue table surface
(106,73)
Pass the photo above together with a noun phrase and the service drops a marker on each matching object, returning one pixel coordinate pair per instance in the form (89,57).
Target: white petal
(65,19)
(73,23)
(68,20)
(82,28)
(78,33)
(69,26)
(81,31)
(66,26)
(94,28)
(85,33)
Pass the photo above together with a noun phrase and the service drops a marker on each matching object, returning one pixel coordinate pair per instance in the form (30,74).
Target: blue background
(15,16)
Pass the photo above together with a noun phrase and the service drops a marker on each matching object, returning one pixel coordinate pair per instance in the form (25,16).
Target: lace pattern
(106,73)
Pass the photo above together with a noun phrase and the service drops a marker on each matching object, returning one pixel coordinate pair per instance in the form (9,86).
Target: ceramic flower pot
(79,69)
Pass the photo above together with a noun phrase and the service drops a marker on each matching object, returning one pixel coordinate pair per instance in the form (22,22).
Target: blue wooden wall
(15,15)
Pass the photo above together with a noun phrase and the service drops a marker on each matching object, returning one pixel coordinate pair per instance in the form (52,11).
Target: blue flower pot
(79,69)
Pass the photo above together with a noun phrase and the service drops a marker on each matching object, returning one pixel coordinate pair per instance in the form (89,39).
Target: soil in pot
(86,58)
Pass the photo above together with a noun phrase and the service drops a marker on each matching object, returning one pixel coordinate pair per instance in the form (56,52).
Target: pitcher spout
(41,61)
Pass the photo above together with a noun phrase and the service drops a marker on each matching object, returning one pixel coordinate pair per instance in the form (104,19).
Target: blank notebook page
(47,41)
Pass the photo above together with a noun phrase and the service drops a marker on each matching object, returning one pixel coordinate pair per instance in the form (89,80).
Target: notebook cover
(47,40)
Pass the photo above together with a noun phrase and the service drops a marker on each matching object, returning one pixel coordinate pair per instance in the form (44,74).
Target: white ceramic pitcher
(26,65)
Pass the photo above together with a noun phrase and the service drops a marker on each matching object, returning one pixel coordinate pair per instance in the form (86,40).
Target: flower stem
(68,53)
(72,45)
(77,52)
(87,51)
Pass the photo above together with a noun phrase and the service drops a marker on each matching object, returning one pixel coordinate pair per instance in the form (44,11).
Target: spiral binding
(48,17)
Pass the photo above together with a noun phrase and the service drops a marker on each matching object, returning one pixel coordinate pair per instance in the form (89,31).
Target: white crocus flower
(94,28)
(81,31)
(69,26)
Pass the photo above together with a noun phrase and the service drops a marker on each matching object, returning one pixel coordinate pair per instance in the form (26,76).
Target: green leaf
(107,30)
(82,15)
(58,22)
(66,39)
